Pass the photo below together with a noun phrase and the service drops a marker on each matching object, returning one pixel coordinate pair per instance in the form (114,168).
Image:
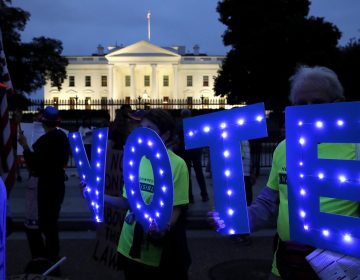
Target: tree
(30,64)
(269,38)
(349,69)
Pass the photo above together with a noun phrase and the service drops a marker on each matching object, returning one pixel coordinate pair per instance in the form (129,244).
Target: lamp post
(202,101)
(76,101)
(146,98)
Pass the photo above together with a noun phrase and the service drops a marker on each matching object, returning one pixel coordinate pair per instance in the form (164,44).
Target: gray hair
(317,78)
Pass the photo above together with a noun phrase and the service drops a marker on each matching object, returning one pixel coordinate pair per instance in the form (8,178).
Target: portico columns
(132,81)
(175,75)
(110,82)
(154,92)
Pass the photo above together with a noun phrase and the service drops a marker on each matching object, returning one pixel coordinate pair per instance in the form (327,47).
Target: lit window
(127,81)
(146,80)
(166,81)
(87,81)
(205,81)
(104,81)
(71,81)
(189,81)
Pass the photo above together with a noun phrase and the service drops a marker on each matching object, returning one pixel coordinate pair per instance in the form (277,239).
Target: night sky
(83,24)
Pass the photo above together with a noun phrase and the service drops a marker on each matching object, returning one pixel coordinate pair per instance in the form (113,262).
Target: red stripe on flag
(8,164)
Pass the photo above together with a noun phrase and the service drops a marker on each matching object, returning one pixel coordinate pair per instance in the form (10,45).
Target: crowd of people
(165,254)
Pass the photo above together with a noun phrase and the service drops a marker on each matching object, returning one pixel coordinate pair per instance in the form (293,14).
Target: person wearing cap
(47,159)
(124,123)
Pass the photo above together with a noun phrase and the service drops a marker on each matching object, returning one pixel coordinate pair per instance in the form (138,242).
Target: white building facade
(142,71)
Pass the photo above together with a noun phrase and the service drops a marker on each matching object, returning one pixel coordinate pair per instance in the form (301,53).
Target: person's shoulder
(175,159)
(280,149)
(281,145)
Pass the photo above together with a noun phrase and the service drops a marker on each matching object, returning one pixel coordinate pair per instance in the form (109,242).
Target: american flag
(7,155)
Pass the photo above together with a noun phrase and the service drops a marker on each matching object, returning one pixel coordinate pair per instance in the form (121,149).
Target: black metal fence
(111,105)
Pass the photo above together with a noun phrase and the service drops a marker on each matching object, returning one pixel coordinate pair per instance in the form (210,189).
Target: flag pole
(148,19)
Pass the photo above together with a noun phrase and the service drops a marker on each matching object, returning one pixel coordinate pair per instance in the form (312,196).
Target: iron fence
(111,105)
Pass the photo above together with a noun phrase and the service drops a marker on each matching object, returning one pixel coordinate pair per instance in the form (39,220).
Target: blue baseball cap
(50,114)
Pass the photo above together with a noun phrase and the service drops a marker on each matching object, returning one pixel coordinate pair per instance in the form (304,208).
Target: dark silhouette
(47,161)
(192,158)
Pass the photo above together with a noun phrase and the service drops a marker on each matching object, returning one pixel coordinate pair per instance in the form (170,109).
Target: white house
(141,71)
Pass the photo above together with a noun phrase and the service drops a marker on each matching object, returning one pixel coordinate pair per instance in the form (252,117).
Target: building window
(127,81)
(127,100)
(87,81)
(104,81)
(56,102)
(205,81)
(146,80)
(87,103)
(166,81)
(71,81)
(189,81)
(103,103)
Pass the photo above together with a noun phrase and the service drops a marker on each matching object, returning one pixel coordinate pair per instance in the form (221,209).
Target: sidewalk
(75,214)
(214,256)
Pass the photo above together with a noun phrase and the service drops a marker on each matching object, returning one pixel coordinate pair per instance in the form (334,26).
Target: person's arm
(263,211)
(116,201)
(175,215)
(29,156)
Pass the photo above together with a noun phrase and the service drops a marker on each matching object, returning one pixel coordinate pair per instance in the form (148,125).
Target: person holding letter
(159,254)
(309,85)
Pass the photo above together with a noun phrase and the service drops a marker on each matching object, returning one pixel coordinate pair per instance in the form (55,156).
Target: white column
(132,81)
(175,83)
(154,91)
(110,81)
(115,94)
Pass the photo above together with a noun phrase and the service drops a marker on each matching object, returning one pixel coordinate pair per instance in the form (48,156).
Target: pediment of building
(141,49)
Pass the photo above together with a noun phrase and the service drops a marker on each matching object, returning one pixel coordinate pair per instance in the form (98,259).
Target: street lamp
(76,101)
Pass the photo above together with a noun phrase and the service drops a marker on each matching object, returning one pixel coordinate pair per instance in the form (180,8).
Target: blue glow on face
(223,132)
(92,174)
(323,177)
(134,152)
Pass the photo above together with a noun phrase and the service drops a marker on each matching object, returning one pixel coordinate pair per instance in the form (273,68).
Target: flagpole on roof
(148,19)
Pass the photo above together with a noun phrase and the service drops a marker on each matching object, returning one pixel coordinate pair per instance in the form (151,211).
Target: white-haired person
(309,85)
